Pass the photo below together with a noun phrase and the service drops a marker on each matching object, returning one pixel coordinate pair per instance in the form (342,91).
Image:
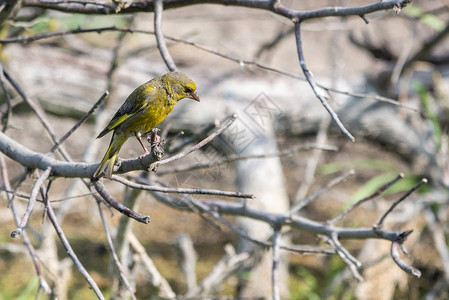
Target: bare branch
(71,253)
(193,137)
(114,253)
(161,45)
(330,184)
(7,114)
(396,203)
(188,260)
(34,160)
(98,184)
(36,261)
(344,254)
(156,278)
(226,124)
(377,193)
(395,247)
(438,235)
(87,7)
(237,60)
(80,121)
(228,265)
(8,8)
(147,187)
(427,46)
(316,89)
(33,195)
(283,153)
(275,293)
(282,219)
(38,111)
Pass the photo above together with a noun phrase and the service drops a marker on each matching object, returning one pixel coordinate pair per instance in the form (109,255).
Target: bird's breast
(147,119)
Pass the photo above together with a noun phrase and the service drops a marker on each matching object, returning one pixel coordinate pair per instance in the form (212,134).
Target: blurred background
(229,49)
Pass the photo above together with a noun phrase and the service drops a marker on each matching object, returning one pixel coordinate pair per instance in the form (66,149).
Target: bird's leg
(153,138)
(139,138)
(157,144)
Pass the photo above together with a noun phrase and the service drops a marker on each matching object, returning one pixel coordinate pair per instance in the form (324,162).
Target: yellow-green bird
(144,109)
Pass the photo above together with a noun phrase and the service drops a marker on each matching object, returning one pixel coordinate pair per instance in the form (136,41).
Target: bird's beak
(194,96)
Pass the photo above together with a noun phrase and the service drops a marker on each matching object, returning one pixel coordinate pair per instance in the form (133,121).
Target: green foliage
(306,286)
(430,111)
(430,20)
(29,292)
(376,182)
(363,164)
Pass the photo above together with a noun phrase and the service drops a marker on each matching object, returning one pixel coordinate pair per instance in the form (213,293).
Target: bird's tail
(107,163)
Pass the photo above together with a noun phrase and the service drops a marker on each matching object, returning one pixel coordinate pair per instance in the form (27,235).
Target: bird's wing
(128,109)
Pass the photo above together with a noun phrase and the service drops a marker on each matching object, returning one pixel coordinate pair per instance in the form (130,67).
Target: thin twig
(330,184)
(33,195)
(275,293)
(205,141)
(80,121)
(229,159)
(439,239)
(347,258)
(114,253)
(396,203)
(194,136)
(228,265)
(34,258)
(180,190)
(316,89)
(377,193)
(39,113)
(6,115)
(427,46)
(156,279)
(395,248)
(237,60)
(188,258)
(71,253)
(161,45)
(308,176)
(98,184)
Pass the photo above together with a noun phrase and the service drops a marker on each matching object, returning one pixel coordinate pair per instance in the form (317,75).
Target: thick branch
(87,7)
(35,160)
(281,219)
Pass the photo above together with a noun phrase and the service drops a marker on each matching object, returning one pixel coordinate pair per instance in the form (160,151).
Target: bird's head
(181,85)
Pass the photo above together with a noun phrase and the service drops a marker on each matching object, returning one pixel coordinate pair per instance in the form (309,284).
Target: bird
(143,110)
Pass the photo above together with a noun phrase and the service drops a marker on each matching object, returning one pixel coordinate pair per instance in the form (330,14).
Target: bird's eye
(188,90)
